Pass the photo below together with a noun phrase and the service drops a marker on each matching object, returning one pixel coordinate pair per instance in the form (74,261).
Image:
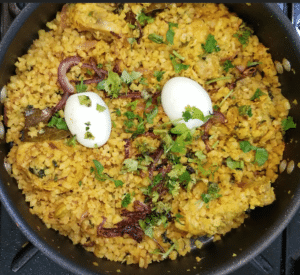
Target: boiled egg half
(181,92)
(88,117)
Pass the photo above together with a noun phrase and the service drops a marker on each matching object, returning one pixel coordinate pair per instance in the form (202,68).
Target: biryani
(154,185)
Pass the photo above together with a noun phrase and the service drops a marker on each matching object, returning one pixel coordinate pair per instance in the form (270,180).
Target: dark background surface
(282,257)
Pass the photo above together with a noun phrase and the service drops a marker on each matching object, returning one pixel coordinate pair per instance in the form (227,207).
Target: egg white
(180,92)
(77,117)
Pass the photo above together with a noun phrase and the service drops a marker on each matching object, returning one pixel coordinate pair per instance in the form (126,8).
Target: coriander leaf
(131,40)
(80,88)
(100,85)
(113,84)
(257,94)
(246,146)
(99,66)
(179,129)
(143,81)
(128,78)
(156,38)
(118,112)
(85,100)
(232,164)
(186,116)
(245,110)
(89,72)
(184,178)
(129,115)
(178,216)
(174,187)
(143,19)
(210,44)
(150,116)
(89,135)
(176,171)
(147,228)
(165,255)
(170,33)
(178,67)
(200,155)
(288,123)
(243,35)
(130,165)
(227,65)
(100,108)
(261,156)
(72,141)
(118,183)
(158,75)
(99,167)
(132,105)
(58,122)
(126,200)
(212,192)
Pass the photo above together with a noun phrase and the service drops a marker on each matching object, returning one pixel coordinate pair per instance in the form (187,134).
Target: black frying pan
(260,229)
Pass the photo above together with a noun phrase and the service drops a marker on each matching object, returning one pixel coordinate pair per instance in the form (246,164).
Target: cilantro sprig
(178,67)
(227,65)
(212,192)
(99,175)
(258,93)
(261,154)
(211,45)
(170,33)
(288,123)
(58,122)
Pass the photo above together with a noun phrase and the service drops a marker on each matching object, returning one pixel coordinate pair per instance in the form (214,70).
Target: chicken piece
(97,18)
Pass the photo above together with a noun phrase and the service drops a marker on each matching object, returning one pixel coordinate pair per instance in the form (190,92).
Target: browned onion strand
(88,81)
(130,225)
(127,147)
(133,95)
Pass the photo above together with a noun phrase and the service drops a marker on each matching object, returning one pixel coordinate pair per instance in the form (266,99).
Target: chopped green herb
(250,64)
(243,35)
(128,78)
(130,165)
(80,183)
(159,75)
(99,66)
(113,84)
(118,112)
(80,88)
(72,141)
(261,156)
(100,108)
(210,44)
(232,164)
(118,183)
(150,116)
(143,19)
(132,105)
(194,113)
(245,110)
(258,93)
(89,72)
(216,107)
(170,33)
(212,192)
(165,255)
(156,38)
(131,26)
(129,115)
(89,135)
(227,65)
(99,169)
(90,13)
(246,146)
(147,228)
(143,81)
(178,216)
(126,200)
(85,100)
(288,123)
(178,67)
(113,124)
(100,85)
(58,122)
(131,40)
